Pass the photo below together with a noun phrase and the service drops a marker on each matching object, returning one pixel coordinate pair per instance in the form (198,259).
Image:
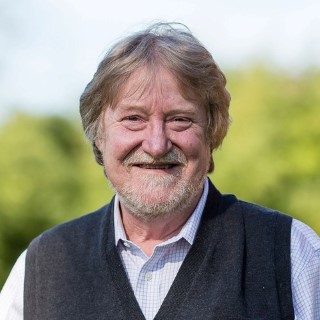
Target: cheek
(120,144)
(198,153)
(193,145)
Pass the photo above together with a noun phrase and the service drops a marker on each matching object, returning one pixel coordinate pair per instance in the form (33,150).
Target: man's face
(154,147)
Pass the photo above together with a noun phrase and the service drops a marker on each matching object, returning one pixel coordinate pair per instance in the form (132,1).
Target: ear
(97,153)
(98,144)
(211,162)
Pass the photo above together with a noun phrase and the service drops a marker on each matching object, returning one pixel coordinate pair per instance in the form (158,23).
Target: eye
(180,123)
(181,119)
(133,122)
(133,118)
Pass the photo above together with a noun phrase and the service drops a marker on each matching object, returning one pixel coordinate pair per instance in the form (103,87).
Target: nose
(156,142)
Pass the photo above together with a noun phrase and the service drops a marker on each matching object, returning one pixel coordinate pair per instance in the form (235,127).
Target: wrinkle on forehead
(148,82)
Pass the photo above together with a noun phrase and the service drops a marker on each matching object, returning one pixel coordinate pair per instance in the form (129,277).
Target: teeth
(159,166)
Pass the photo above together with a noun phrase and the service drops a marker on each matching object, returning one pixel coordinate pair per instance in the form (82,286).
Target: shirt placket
(148,285)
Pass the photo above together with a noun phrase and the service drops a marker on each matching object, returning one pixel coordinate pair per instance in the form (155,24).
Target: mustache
(175,156)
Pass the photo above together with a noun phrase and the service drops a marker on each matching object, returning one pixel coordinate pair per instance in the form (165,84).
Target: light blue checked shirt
(151,277)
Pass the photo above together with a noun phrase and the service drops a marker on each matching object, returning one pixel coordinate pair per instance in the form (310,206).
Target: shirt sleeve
(11,296)
(305,271)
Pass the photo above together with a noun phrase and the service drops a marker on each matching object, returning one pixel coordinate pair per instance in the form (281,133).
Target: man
(169,245)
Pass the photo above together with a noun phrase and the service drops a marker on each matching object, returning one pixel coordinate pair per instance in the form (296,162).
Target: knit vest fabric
(237,268)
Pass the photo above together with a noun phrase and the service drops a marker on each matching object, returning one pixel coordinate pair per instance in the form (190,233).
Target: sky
(49,49)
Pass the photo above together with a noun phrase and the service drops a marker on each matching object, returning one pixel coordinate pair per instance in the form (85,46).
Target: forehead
(146,83)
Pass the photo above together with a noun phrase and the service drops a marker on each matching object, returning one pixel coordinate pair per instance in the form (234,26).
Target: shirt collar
(188,231)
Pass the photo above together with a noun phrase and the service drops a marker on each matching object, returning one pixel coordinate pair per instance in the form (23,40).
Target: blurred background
(49,50)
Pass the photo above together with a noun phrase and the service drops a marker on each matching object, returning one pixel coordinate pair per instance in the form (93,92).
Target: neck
(148,233)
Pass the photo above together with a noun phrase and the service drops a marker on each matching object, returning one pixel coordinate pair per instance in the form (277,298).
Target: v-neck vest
(237,268)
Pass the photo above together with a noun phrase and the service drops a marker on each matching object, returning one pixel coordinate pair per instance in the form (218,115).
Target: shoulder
(303,236)
(74,231)
(305,248)
(305,271)
(254,209)
(229,204)
(254,213)
(257,221)
(82,224)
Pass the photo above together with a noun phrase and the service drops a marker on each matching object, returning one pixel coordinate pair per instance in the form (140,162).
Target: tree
(272,153)
(48,176)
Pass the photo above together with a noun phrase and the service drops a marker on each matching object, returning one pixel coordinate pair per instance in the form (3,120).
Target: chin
(161,197)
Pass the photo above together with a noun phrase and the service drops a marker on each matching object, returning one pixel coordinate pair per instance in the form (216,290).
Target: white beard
(150,199)
(154,195)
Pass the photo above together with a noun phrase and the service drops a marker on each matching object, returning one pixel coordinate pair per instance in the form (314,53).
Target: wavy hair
(173,47)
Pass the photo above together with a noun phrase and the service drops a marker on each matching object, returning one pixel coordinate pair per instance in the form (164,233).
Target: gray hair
(168,45)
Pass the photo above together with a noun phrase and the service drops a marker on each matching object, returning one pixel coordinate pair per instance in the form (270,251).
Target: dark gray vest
(237,268)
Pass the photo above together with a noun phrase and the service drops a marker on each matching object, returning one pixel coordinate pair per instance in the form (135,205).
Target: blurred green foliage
(48,175)
(271,156)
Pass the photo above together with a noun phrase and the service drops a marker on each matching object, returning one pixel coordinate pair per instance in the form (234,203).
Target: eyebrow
(131,107)
(144,109)
(132,104)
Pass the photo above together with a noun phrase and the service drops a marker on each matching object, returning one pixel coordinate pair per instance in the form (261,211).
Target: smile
(156,166)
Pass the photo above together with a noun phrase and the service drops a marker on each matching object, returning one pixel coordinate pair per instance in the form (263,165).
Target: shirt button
(148,276)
